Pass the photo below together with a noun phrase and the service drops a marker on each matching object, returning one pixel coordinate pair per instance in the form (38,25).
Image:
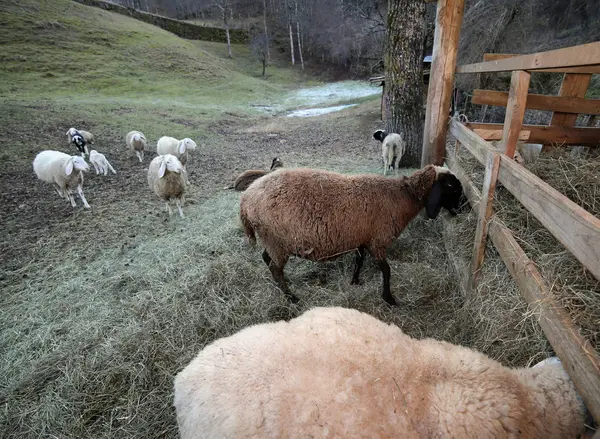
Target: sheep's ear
(434,201)
(162,169)
(181,147)
(69,167)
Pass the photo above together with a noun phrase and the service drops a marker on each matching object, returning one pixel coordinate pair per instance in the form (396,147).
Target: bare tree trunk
(291,40)
(298,36)
(266,32)
(403,58)
(227,32)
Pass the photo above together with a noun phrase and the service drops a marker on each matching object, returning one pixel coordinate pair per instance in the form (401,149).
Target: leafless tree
(259,45)
(266,31)
(298,35)
(225,8)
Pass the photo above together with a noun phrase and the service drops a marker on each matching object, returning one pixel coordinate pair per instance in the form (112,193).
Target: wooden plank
(539,102)
(441,82)
(547,134)
(579,358)
(485,213)
(491,135)
(576,56)
(587,69)
(575,228)
(515,111)
(573,85)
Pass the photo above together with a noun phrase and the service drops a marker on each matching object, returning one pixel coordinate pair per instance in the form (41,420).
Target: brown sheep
(340,373)
(246,178)
(320,215)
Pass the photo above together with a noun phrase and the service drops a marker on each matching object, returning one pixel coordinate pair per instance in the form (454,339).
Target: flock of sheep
(335,372)
(167,173)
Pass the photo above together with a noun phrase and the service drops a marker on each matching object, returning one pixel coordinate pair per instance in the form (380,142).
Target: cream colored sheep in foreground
(166,178)
(64,171)
(179,148)
(100,163)
(336,372)
(136,142)
(393,147)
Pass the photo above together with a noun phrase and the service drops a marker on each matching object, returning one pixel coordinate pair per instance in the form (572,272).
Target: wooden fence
(573,226)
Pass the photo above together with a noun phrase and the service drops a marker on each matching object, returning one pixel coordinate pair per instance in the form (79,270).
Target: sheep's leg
(139,156)
(360,258)
(385,167)
(178,202)
(80,192)
(59,190)
(266,258)
(276,269)
(71,199)
(385,271)
(111,168)
(169,208)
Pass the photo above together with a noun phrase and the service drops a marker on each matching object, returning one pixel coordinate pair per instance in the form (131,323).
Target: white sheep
(100,163)
(178,148)
(336,372)
(136,142)
(87,136)
(393,147)
(64,171)
(166,177)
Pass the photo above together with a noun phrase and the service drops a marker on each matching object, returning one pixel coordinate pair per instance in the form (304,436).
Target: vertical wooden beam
(573,85)
(515,110)
(484,213)
(441,80)
(383,102)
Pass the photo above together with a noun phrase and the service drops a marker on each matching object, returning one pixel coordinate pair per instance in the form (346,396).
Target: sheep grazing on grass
(393,147)
(100,163)
(178,148)
(82,146)
(136,142)
(320,215)
(64,171)
(166,178)
(246,178)
(336,372)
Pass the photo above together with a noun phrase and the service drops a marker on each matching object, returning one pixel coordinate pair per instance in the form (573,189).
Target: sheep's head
(277,163)
(71,132)
(379,135)
(446,192)
(185,144)
(169,163)
(76,163)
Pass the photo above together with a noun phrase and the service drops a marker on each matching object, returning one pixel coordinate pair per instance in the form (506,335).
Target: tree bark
(403,59)
(298,36)
(291,39)
(266,32)
(227,32)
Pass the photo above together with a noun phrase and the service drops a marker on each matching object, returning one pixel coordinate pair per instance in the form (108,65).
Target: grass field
(101,308)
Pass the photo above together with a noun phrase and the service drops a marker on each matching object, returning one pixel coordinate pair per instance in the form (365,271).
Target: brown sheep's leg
(385,270)
(360,258)
(276,269)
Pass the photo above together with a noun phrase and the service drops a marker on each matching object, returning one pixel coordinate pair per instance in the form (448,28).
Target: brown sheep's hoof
(293,298)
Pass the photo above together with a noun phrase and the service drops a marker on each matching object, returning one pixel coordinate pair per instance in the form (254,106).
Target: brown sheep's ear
(434,201)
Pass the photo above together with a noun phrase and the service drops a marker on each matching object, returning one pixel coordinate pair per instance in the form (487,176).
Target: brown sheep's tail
(248,229)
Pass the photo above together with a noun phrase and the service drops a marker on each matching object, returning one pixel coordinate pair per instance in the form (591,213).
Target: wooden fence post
(484,214)
(515,111)
(573,85)
(441,80)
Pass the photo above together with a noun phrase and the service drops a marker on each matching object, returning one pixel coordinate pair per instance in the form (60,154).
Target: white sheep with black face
(81,139)
(64,171)
(393,147)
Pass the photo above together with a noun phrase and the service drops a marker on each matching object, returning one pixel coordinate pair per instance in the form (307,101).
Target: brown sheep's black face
(447,193)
